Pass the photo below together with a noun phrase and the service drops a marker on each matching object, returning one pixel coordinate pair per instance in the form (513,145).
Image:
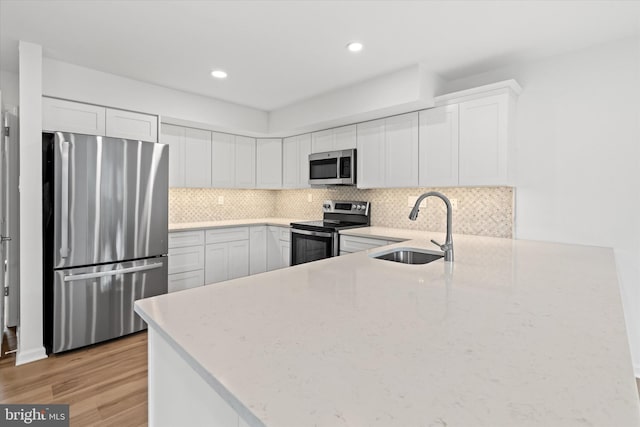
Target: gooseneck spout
(447,248)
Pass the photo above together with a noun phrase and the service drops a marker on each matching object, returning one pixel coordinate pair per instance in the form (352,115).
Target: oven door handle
(312,233)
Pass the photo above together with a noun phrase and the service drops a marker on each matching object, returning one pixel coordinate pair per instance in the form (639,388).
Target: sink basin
(408,256)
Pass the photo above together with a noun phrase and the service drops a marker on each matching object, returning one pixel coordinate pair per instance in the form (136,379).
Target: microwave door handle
(64,200)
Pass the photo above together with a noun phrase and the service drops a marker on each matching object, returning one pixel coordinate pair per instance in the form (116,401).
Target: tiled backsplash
(486,211)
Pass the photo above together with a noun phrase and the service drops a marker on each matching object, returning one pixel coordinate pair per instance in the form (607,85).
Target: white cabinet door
(67,116)
(483,141)
(371,154)
(245,162)
(344,137)
(216,262)
(439,147)
(352,244)
(322,141)
(269,163)
(197,158)
(295,161)
(223,154)
(285,253)
(274,250)
(238,263)
(401,151)
(341,138)
(174,136)
(257,249)
(130,125)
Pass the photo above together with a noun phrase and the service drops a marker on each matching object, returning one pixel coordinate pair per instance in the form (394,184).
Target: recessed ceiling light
(355,46)
(219,74)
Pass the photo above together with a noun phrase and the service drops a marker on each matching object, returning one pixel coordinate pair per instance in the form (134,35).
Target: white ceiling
(281,52)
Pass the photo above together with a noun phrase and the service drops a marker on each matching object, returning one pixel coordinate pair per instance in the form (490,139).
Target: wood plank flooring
(105,384)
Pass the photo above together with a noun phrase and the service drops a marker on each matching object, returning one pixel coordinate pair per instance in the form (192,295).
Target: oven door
(307,245)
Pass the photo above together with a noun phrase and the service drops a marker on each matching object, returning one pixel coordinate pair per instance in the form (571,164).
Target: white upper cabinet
(223,152)
(174,136)
(370,156)
(269,163)
(197,158)
(484,137)
(67,116)
(245,162)
(388,152)
(233,161)
(130,125)
(342,138)
(439,147)
(295,161)
(401,147)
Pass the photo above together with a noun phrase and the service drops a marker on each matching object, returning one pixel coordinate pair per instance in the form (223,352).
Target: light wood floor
(105,385)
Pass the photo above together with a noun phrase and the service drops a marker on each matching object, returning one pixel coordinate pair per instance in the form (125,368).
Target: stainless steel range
(315,240)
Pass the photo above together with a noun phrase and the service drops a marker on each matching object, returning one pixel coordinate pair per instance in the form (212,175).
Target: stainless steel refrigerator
(105,222)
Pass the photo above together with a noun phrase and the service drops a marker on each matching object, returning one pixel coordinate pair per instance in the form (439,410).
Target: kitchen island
(513,333)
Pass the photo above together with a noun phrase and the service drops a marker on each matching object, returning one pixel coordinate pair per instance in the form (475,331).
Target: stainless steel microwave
(333,168)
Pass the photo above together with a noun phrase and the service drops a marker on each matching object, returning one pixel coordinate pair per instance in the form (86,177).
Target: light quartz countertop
(513,333)
(186,226)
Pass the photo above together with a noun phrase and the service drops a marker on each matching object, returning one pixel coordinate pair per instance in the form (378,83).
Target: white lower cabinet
(226,254)
(186,260)
(278,248)
(218,254)
(188,280)
(257,249)
(350,244)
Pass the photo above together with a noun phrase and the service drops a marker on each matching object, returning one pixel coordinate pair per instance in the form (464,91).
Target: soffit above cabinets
(278,53)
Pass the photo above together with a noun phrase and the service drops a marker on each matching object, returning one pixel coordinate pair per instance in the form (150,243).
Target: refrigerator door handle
(64,202)
(84,276)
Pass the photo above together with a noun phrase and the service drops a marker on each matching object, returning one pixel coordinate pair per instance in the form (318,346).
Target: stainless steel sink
(408,256)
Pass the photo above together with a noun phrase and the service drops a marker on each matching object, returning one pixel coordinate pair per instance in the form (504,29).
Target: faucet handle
(437,244)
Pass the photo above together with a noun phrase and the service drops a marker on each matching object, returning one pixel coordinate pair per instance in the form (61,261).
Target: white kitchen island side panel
(178,395)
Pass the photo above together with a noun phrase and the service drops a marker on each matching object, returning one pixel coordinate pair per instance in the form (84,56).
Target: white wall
(9,88)
(30,339)
(64,80)
(411,88)
(578,144)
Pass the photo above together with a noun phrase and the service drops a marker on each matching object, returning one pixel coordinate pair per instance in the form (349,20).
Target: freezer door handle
(64,202)
(84,276)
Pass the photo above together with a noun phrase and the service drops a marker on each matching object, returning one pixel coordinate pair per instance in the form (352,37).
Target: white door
(401,151)
(439,147)
(223,160)
(371,156)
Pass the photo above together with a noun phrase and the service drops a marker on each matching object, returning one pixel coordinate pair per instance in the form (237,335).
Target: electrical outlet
(454,204)
(309,197)
(411,201)
(221,200)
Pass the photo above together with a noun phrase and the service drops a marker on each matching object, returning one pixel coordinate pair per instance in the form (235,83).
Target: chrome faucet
(447,248)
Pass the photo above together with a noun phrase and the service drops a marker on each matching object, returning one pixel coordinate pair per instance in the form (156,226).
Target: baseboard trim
(23,357)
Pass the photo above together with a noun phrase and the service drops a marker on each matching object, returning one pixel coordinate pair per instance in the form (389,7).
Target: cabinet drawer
(67,116)
(186,238)
(188,280)
(284,234)
(221,235)
(356,244)
(186,259)
(130,125)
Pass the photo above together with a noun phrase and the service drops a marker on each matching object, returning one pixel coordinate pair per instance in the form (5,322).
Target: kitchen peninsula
(513,333)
